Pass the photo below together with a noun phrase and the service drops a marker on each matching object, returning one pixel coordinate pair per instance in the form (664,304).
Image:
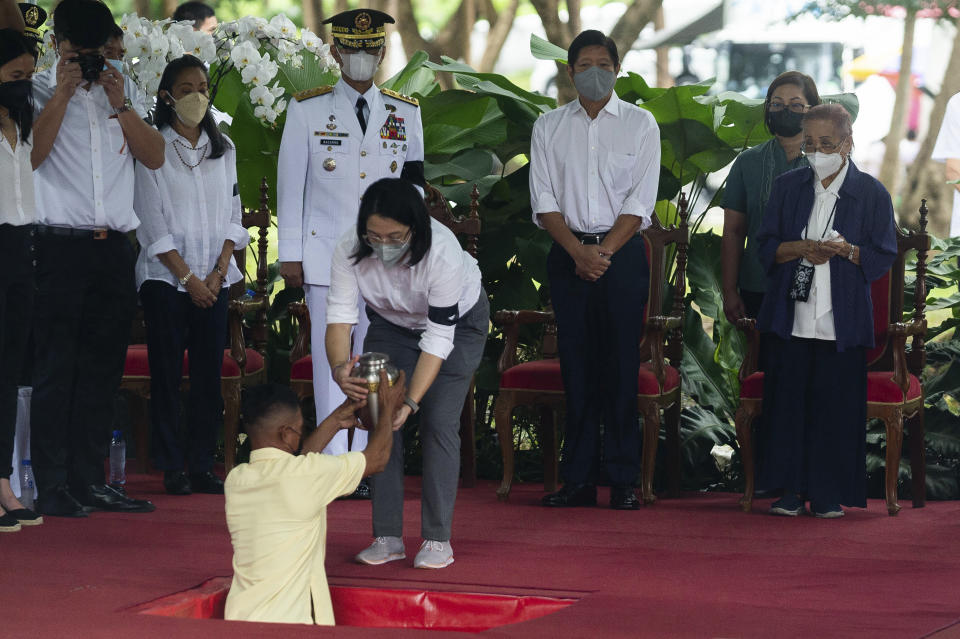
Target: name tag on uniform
(330,142)
(332,134)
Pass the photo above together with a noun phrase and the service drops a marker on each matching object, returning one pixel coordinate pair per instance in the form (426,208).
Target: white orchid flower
(245,54)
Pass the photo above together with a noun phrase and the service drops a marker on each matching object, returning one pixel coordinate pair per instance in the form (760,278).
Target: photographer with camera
(86,139)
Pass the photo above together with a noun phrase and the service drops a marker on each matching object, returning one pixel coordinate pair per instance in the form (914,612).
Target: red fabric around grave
(379,608)
(302,370)
(544,375)
(138,365)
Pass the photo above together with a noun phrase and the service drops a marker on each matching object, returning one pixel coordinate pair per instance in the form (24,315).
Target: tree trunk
(890,168)
(497,36)
(312,14)
(169,6)
(926,178)
(142,7)
(632,22)
(663,55)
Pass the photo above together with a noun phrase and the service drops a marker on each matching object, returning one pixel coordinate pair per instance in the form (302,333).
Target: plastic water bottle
(118,460)
(27,487)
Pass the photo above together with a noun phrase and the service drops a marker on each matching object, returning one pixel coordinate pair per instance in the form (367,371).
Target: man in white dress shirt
(87,137)
(594,170)
(337,141)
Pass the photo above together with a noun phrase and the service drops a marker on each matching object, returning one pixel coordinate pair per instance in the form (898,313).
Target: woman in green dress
(790,95)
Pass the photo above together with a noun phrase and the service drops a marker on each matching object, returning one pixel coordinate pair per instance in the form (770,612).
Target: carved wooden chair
(467,228)
(242,365)
(894,390)
(538,382)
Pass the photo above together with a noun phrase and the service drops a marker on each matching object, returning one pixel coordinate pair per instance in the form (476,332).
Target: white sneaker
(382,550)
(434,554)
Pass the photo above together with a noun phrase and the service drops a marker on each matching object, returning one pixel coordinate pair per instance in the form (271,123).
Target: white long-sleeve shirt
(17,205)
(87,180)
(192,211)
(814,318)
(409,296)
(593,171)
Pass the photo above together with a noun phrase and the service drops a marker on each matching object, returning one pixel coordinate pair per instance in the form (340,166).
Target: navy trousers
(815,408)
(174,324)
(599,326)
(16,315)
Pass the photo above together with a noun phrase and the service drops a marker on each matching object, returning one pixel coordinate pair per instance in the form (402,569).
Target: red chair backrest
(880,292)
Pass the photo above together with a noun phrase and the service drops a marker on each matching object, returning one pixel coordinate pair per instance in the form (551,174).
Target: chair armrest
(663,323)
(511,322)
(301,343)
(908,329)
(751,360)
(235,313)
(899,331)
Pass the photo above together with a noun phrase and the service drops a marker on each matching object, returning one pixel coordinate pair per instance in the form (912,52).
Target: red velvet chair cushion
(544,375)
(137,364)
(302,370)
(882,390)
(880,294)
(752,387)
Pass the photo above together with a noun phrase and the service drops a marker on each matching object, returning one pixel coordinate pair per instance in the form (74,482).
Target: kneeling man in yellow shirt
(277,503)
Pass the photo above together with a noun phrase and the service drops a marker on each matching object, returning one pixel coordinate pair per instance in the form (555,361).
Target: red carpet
(691,567)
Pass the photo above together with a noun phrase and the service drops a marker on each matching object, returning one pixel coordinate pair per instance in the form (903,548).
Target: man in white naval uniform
(337,141)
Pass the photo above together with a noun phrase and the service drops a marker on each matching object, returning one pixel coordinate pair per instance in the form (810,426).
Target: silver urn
(368,367)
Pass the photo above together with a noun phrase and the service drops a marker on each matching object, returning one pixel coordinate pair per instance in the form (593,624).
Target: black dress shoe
(362,491)
(102,497)
(60,503)
(206,483)
(623,498)
(176,482)
(572,495)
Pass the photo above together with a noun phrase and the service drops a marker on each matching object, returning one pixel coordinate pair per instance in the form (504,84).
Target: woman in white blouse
(17,215)
(189,211)
(428,311)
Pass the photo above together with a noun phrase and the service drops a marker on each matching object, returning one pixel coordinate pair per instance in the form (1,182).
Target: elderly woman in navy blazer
(827,233)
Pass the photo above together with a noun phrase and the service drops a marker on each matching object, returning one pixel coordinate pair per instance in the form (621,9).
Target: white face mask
(390,254)
(825,164)
(360,66)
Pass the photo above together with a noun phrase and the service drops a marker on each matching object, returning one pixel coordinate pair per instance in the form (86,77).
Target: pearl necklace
(203,154)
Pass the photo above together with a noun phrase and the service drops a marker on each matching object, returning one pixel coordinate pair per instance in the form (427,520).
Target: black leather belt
(590,238)
(82,234)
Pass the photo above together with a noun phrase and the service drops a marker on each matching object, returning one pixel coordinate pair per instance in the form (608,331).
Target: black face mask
(15,96)
(784,123)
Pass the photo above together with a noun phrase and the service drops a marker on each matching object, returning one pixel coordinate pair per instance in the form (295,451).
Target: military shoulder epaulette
(401,97)
(300,96)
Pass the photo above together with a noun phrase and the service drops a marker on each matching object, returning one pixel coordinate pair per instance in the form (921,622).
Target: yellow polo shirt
(277,516)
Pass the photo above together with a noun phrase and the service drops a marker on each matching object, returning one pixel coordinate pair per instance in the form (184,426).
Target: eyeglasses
(824,147)
(394,239)
(796,107)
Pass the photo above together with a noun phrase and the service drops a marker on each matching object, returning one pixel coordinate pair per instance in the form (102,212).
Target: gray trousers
(439,423)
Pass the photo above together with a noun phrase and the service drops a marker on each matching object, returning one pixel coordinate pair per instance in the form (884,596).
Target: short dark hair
(164,114)
(116,31)
(194,12)
(13,44)
(833,113)
(398,200)
(802,80)
(264,400)
(590,38)
(86,24)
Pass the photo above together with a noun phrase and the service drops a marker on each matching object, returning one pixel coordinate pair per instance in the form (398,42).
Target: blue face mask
(390,254)
(116,64)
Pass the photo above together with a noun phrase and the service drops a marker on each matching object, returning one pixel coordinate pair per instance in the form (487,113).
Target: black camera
(91,64)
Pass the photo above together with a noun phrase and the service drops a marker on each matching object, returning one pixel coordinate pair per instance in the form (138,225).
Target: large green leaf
(471,164)
(459,120)
(546,50)
(703,377)
(308,76)
(414,78)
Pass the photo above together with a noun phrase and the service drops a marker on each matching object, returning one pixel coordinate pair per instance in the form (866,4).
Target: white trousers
(326,393)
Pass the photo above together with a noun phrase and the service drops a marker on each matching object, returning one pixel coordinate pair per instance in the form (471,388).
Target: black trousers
(85,300)
(16,315)
(174,324)
(599,326)
(815,403)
